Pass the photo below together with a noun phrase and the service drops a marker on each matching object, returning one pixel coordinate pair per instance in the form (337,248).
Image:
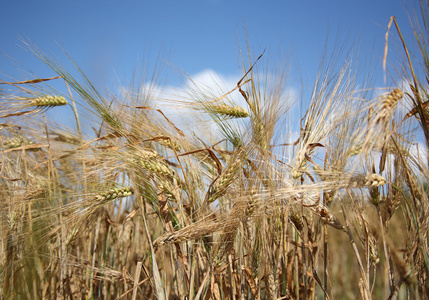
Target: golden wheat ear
(387,106)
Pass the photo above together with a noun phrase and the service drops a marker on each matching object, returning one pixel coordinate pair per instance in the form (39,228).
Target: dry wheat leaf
(31,81)
(21,113)
(414,111)
(251,281)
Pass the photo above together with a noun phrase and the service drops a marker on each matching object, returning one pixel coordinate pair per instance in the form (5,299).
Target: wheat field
(233,205)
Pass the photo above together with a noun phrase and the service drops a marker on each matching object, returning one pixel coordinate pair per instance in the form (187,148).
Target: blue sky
(106,36)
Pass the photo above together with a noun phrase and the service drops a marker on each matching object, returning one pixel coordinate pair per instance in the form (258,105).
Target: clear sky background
(112,39)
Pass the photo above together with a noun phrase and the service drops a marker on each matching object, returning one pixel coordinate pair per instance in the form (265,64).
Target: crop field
(207,197)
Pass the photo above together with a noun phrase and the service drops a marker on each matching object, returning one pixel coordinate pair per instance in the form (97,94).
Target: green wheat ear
(115,193)
(48,101)
(13,143)
(171,144)
(16,142)
(230,111)
(296,219)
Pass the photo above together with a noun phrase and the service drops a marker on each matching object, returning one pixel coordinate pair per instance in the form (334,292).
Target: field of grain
(223,205)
